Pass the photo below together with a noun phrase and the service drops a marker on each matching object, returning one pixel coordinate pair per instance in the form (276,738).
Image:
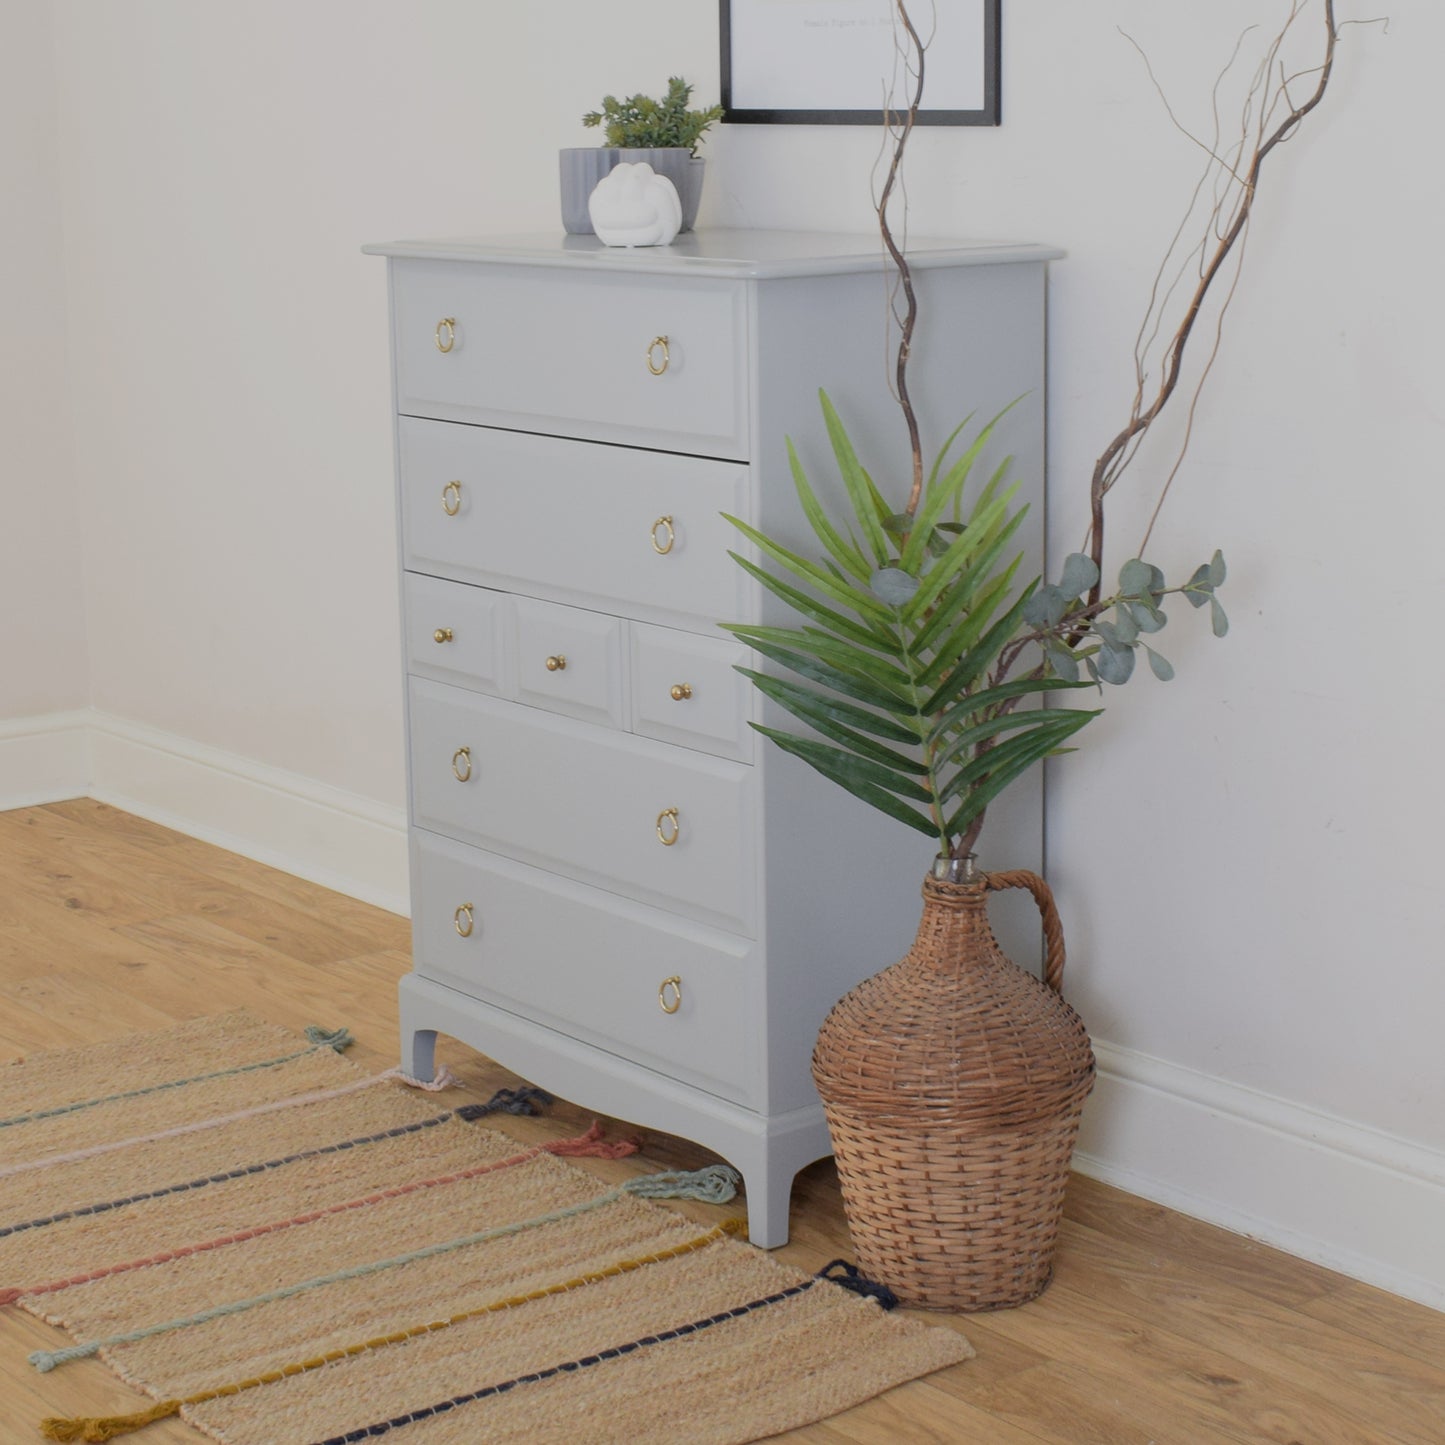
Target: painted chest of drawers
(617,891)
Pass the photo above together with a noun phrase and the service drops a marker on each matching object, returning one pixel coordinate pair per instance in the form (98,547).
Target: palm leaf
(967,631)
(820,672)
(819,713)
(829,584)
(810,607)
(980,796)
(848,765)
(991,727)
(846,713)
(978,657)
(938,497)
(861,491)
(992,697)
(845,551)
(840,654)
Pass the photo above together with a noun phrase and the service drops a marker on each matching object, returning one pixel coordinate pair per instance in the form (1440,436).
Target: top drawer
(569,354)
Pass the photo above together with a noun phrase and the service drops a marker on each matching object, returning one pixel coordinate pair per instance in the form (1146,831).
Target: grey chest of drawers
(617,892)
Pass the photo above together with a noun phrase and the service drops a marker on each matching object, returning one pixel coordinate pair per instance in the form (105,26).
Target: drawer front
(685,690)
(572,355)
(590,965)
(660,824)
(458,634)
(630,531)
(571,661)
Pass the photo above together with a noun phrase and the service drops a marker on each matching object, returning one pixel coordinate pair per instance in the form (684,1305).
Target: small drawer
(458,634)
(635,532)
(661,824)
(480,923)
(685,690)
(571,661)
(654,361)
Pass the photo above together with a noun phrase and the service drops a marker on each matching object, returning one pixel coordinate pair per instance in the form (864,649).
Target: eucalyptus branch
(1228,222)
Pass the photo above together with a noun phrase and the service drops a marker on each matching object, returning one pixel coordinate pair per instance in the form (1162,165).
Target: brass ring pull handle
(442,634)
(662,548)
(557,662)
(449,325)
(462,765)
(452,498)
(652,347)
(680,691)
(1053,928)
(462,920)
(669,995)
(667,836)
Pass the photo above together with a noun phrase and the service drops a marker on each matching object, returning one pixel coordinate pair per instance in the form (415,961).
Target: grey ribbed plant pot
(582,167)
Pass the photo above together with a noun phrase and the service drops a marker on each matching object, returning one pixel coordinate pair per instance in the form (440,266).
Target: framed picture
(836,62)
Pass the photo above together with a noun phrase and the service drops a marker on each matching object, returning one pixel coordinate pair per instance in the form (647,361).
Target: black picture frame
(735,69)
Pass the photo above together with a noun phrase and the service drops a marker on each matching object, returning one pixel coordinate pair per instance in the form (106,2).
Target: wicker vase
(953,1084)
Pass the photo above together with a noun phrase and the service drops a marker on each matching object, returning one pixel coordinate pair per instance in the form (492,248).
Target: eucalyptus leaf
(1116,665)
(1062,660)
(1161,667)
(1217,572)
(1198,588)
(1125,627)
(1079,574)
(1135,578)
(1147,617)
(1217,618)
(1046,607)
(893,585)
(1110,635)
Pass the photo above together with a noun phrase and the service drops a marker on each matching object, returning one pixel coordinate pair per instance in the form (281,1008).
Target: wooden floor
(1156,1328)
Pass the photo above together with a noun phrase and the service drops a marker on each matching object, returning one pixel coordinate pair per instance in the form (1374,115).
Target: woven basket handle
(1053,928)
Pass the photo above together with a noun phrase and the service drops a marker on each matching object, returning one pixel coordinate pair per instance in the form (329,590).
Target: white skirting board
(338,839)
(1321,1187)
(1345,1196)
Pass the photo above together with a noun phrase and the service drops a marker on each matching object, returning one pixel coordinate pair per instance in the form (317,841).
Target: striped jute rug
(280,1248)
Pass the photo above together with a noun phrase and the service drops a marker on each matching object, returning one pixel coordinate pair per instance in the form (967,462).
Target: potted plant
(664,134)
(953,1081)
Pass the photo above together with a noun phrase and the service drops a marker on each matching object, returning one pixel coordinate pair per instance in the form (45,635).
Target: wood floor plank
(1156,1328)
(1230,1258)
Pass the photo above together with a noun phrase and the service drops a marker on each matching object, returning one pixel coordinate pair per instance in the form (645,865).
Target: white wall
(1246,858)
(42,640)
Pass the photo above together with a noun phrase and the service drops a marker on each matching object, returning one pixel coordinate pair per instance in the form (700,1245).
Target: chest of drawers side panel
(840,882)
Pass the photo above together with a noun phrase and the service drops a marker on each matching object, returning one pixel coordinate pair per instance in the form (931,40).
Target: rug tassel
(847,1277)
(106,1427)
(525,1100)
(589,1146)
(714,1185)
(9,1296)
(337,1039)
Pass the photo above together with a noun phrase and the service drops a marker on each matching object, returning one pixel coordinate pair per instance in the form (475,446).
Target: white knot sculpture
(634,206)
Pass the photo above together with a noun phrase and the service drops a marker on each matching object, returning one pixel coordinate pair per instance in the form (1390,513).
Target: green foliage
(912,631)
(639,122)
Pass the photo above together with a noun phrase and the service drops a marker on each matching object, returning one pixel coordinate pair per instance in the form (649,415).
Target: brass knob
(557,662)
(462,920)
(657,343)
(669,995)
(462,764)
(669,830)
(447,324)
(680,691)
(442,634)
(452,498)
(663,547)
